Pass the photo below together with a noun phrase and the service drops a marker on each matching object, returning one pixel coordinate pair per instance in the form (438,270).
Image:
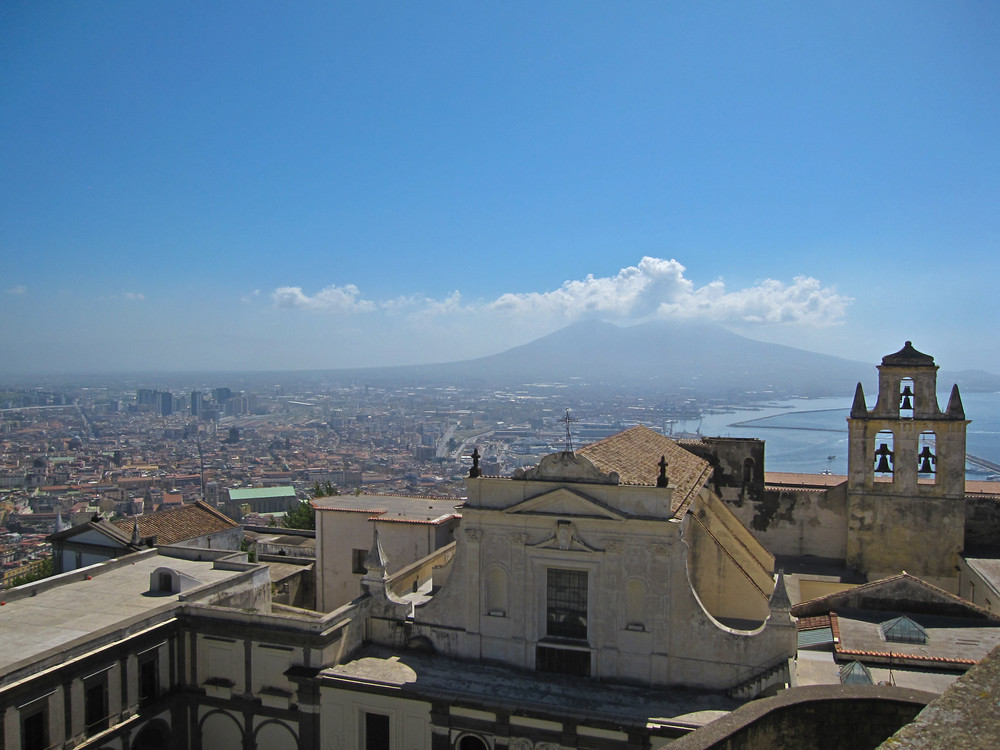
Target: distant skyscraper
(197,403)
(164,403)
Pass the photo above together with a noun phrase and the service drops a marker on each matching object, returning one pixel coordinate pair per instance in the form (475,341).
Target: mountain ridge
(705,360)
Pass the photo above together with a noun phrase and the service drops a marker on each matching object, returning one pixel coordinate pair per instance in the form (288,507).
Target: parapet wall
(820,717)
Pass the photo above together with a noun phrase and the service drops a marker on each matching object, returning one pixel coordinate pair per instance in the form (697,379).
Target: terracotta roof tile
(635,455)
(813,623)
(811,481)
(179,524)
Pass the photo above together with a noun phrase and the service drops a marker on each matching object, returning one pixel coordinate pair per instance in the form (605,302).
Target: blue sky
(249,185)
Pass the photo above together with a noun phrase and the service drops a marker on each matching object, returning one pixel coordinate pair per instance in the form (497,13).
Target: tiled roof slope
(635,455)
(179,524)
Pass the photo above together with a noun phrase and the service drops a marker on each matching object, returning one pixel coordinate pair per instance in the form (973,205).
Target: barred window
(566,610)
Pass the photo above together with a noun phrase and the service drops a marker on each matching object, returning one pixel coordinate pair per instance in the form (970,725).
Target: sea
(810,435)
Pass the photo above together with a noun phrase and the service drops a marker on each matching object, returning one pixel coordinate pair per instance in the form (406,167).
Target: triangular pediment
(100,534)
(901,593)
(565,502)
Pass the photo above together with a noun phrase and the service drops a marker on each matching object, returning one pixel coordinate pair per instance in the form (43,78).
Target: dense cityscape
(71,452)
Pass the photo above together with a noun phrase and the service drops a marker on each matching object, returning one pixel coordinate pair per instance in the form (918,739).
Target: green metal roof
(256,493)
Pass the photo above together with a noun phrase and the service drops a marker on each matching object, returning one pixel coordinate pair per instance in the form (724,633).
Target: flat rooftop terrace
(526,693)
(404,508)
(70,608)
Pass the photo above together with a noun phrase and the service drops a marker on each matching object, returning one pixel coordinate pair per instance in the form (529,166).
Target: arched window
(471,742)
(496,592)
(153,736)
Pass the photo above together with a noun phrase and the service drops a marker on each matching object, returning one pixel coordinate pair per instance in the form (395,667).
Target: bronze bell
(926,457)
(906,402)
(884,454)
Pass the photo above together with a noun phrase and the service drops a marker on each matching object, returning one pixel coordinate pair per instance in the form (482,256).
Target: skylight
(855,673)
(903,630)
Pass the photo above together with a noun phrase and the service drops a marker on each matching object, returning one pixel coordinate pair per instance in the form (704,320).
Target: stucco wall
(730,570)
(342,715)
(229,539)
(339,533)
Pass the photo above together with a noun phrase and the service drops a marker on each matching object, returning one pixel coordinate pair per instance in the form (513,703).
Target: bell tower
(906,475)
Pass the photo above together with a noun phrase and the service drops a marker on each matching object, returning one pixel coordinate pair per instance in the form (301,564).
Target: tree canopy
(302,516)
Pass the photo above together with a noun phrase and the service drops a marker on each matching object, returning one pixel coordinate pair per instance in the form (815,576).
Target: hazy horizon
(149,376)
(236,187)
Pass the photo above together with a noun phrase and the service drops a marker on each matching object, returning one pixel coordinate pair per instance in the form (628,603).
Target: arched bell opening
(906,398)
(884,464)
(927,457)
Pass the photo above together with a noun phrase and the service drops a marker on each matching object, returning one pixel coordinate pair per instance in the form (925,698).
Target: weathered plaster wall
(738,463)
(798,522)
(885,532)
(229,539)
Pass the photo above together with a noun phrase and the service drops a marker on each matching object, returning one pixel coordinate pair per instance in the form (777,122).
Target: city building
(196,526)
(409,528)
(260,500)
(619,596)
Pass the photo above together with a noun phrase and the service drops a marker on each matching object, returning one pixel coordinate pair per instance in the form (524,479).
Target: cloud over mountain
(656,288)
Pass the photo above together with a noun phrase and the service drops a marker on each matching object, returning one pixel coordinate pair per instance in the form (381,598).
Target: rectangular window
(358,558)
(562,661)
(376,732)
(149,678)
(95,704)
(566,604)
(35,729)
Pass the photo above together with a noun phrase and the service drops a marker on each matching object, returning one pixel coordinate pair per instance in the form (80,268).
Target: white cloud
(134,296)
(771,301)
(633,293)
(449,305)
(654,288)
(19,289)
(657,288)
(333,298)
